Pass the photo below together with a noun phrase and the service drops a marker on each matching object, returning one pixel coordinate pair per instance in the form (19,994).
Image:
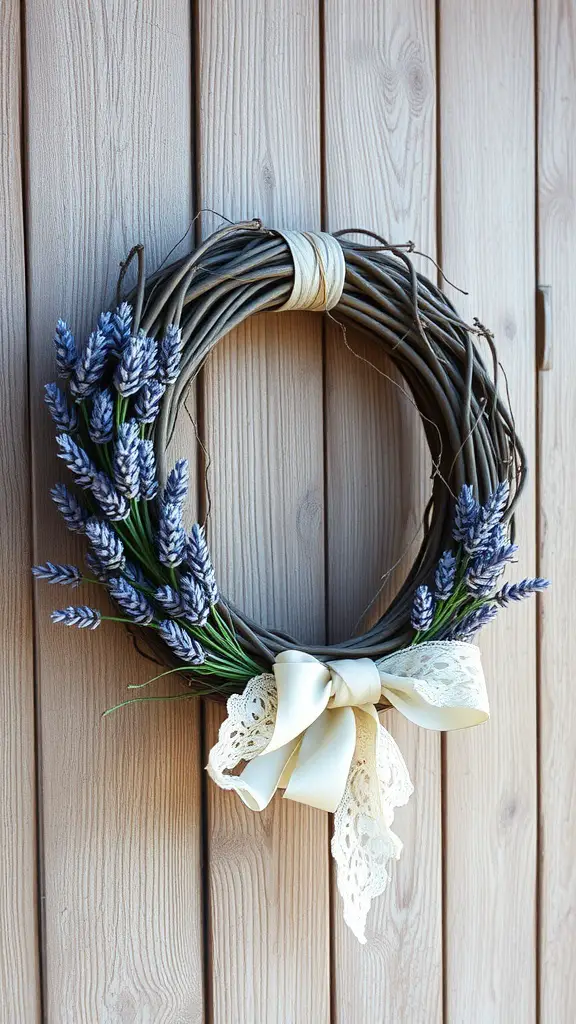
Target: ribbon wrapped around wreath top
(312,729)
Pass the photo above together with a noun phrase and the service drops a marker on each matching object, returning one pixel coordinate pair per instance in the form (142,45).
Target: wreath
(300,717)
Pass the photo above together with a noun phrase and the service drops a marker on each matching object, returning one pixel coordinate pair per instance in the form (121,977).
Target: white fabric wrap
(319,270)
(312,730)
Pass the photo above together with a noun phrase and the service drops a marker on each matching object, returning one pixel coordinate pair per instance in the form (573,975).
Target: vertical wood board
(109,154)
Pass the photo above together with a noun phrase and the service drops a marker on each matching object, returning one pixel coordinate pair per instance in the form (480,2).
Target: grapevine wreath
(299,717)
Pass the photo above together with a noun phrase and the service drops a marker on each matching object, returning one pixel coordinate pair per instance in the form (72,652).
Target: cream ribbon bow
(312,729)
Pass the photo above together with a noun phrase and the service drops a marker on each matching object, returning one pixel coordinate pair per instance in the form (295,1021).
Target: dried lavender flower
(466,513)
(106,544)
(171,539)
(89,366)
(196,602)
(101,427)
(147,404)
(64,417)
(176,488)
(105,325)
(147,467)
(130,600)
(170,600)
(471,623)
(170,355)
(65,575)
(77,460)
(82,616)
(200,562)
(126,463)
(183,645)
(74,514)
(520,591)
(121,327)
(445,576)
(137,364)
(96,567)
(422,609)
(113,504)
(477,541)
(66,354)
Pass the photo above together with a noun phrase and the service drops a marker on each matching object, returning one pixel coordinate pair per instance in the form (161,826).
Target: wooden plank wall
(133,890)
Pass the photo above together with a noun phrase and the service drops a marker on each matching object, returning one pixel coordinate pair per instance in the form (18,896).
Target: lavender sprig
(96,568)
(196,603)
(64,417)
(170,600)
(183,645)
(200,562)
(66,354)
(101,427)
(105,325)
(147,469)
(147,404)
(466,513)
(73,513)
(81,616)
(171,539)
(78,462)
(121,327)
(130,600)
(470,624)
(64,575)
(89,366)
(445,576)
(106,544)
(422,609)
(137,364)
(113,504)
(169,355)
(176,488)
(519,591)
(126,462)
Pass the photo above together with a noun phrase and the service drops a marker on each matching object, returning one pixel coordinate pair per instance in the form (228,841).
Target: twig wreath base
(300,718)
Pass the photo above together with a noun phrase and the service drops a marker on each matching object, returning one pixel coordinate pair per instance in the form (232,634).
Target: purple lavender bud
(82,616)
(445,576)
(520,591)
(196,601)
(151,357)
(113,504)
(466,513)
(131,600)
(96,567)
(121,327)
(65,345)
(126,462)
(64,417)
(74,515)
(183,645)
(198,558)
(422,609)
(170,600)
(471,623)
(77,460)
(147,465)
(106,544)
(495,507)
(89,366)
(147,405)
(137,364)
(177,483)
(105,325)
(171,539)
(65,575)
(134,573)
(477,541)
(169,355)
(101,426)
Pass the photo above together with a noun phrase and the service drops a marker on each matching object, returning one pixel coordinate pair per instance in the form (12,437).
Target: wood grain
(557,259)
(380,174)
(487,196)
(109,151)
(259,155)
(19,985)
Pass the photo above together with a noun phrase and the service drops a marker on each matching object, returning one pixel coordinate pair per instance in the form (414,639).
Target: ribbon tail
(363,842)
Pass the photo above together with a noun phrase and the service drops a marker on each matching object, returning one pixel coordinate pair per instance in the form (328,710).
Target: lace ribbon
(312,729)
